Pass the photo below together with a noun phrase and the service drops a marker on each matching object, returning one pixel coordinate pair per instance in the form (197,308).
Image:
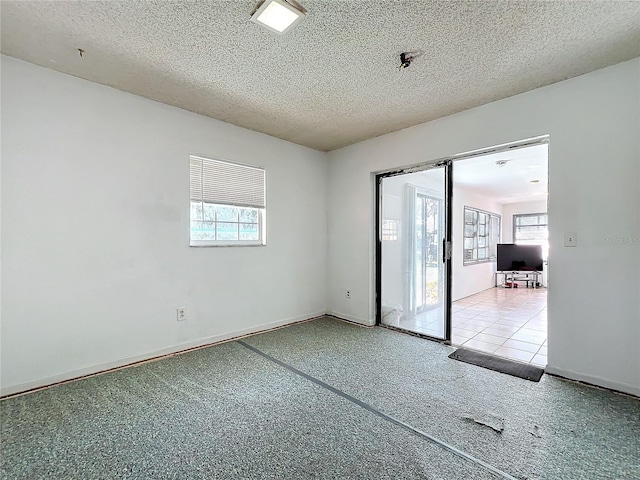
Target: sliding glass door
(413,254)
(429,272)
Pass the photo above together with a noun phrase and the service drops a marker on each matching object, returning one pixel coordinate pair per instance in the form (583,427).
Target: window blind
(226,183)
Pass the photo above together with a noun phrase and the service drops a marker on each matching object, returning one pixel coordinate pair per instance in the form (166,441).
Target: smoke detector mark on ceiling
(407,57)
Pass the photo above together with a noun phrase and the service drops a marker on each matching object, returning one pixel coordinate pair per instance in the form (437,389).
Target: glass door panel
(412,266)
(430,229)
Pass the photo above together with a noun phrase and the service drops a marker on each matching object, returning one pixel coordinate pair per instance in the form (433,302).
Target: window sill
(227,244)
(478,262)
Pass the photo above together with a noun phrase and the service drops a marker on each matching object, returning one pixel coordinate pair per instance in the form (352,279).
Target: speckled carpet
(266,409)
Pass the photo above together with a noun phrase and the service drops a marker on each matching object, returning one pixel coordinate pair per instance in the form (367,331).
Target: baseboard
(350,318)
(472,294)
(357,324)
(150,356)
(594,380)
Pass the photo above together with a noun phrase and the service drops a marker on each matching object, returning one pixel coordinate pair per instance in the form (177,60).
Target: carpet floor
(321,399)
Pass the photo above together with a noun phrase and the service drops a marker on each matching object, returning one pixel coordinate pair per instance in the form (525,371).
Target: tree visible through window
(227,203)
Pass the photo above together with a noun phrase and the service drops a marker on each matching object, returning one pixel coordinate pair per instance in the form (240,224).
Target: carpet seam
(380,414)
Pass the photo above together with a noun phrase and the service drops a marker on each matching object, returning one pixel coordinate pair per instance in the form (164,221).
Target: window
(227,203)
(389,229)
(481,236)
(532,229)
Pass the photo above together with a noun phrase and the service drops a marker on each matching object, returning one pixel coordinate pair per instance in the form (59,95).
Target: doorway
(419,246)
(500,279)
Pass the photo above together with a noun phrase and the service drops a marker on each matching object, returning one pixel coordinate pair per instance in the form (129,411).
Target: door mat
(502,365)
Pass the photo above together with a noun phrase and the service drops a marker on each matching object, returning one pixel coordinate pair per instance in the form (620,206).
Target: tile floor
(510,323)
(507,322)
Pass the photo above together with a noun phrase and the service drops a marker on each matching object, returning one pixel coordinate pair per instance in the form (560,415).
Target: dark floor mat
(510,367)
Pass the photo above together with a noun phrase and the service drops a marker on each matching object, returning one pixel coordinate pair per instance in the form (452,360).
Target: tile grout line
(496,321)
(380,414)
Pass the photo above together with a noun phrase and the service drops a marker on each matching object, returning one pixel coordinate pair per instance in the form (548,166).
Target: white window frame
(525,215)
(492,226)
(249,197)
(543,243)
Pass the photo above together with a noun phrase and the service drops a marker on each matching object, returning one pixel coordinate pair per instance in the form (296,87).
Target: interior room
(193,206)
(498,200)
(503,198)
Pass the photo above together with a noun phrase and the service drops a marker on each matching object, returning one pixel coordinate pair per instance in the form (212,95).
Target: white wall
(95,251)
(470,279)
(594,173)
(511,209)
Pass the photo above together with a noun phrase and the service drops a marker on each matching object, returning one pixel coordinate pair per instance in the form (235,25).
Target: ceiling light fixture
(279,16)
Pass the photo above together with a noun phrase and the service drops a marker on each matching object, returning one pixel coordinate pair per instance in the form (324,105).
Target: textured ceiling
(333,80)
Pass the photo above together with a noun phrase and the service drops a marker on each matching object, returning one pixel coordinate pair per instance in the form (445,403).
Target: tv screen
(512,257)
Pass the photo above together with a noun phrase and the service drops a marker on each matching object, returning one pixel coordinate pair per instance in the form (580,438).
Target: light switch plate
(570,239)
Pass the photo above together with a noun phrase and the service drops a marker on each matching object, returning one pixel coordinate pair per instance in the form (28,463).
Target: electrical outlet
(181,314)
(347,293)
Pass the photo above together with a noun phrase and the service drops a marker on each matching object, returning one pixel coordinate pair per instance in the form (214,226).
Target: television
(523,258)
